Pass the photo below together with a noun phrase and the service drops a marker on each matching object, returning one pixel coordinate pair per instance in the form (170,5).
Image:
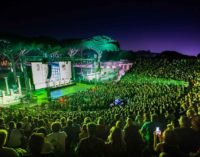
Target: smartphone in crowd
(158,131)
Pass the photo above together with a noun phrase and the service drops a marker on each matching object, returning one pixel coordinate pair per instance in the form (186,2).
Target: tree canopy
(100,43)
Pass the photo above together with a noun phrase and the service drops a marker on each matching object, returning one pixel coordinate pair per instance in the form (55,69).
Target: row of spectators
(35,136)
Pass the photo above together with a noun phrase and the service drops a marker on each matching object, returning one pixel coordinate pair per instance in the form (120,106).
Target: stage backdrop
(55,73)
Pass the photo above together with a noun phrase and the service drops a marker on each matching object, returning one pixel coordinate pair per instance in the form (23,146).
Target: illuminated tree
(13,51)
(99,44)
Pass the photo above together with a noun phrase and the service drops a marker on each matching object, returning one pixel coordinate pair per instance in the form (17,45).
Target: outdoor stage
(41,96)
(46,78)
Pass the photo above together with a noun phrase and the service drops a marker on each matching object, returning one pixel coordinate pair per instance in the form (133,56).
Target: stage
(41,96)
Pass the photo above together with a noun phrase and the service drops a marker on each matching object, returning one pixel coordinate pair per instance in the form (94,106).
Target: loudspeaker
(49,71)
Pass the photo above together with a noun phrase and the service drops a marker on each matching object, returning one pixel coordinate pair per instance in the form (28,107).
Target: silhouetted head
(169,136)
(36,143)
(12,125)
(100,121)
(91,129)
(163,154)
(19,125)
(56,126)
(69,123)
(84,127)
(115,135)
(195,123)
(3,137)
(190,113)
(87,120)
(184,122)
(119,124)
(42,130)
(129,122)
(63,121)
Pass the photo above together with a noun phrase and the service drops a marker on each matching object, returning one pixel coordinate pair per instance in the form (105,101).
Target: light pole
(73,68)
(23,60)
(19,85)
(7,87)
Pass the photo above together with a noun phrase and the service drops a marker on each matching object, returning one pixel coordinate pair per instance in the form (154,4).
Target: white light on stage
(57,73)
(39,72)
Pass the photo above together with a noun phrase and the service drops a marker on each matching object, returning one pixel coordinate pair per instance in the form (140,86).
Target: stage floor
(41,95)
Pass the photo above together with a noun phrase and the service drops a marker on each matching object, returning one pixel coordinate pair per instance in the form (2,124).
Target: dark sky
(154,25)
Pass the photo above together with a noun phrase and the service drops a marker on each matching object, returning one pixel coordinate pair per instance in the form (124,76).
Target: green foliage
(100,43)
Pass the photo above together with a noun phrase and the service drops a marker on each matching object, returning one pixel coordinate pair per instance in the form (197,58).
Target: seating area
(160,117)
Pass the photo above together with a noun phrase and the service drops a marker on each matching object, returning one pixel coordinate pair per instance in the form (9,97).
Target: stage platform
(8,101)
(41,96)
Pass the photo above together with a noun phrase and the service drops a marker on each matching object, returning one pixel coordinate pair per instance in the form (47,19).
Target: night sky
(155,25)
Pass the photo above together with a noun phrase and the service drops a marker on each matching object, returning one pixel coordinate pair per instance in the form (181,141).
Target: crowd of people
(160,117)
(178,69)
